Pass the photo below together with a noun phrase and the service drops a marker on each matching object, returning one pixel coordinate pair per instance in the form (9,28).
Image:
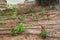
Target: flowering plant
(43,32)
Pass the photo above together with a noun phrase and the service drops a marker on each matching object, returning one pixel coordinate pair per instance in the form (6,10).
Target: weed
(18,28)
(43,33)
(2,13)
(52,7)
(13,14)
(25,12)
(22,19)
(43,12)
(31,10)
(35,17)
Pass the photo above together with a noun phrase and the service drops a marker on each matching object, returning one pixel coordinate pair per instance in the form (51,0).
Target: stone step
(3,3)
(3,6)
(39,22)
(46,22)
(29,19)
(5,32)
(52,12)
(28,26)
(26,30)
(13,23)
(46,26)
(51,33)
(38,27)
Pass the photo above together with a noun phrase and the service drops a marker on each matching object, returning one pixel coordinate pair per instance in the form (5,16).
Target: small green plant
(2,13)
(35,17)
(43,12)
(8,10)
(22,19)
(13,14)
(31,10)
(52,7)
(19,28)
(57,8)
(43,33)
(25,12)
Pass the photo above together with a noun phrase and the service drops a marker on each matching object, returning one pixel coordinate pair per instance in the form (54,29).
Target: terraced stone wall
(33,28)
(3,4)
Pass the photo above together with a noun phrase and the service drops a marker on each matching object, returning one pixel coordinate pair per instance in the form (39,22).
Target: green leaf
(52,6)
(17,29)
(43,11)
(13,14)
(43,34)
(22,19)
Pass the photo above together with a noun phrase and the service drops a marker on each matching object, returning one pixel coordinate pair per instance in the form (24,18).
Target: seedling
(8,10)
(31,10)
(2,13)
(43,33)
(13,14)
(35,17)
(19,28)
(25,12)
(52,7)
(57,8)
(43,12)
(22,20)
